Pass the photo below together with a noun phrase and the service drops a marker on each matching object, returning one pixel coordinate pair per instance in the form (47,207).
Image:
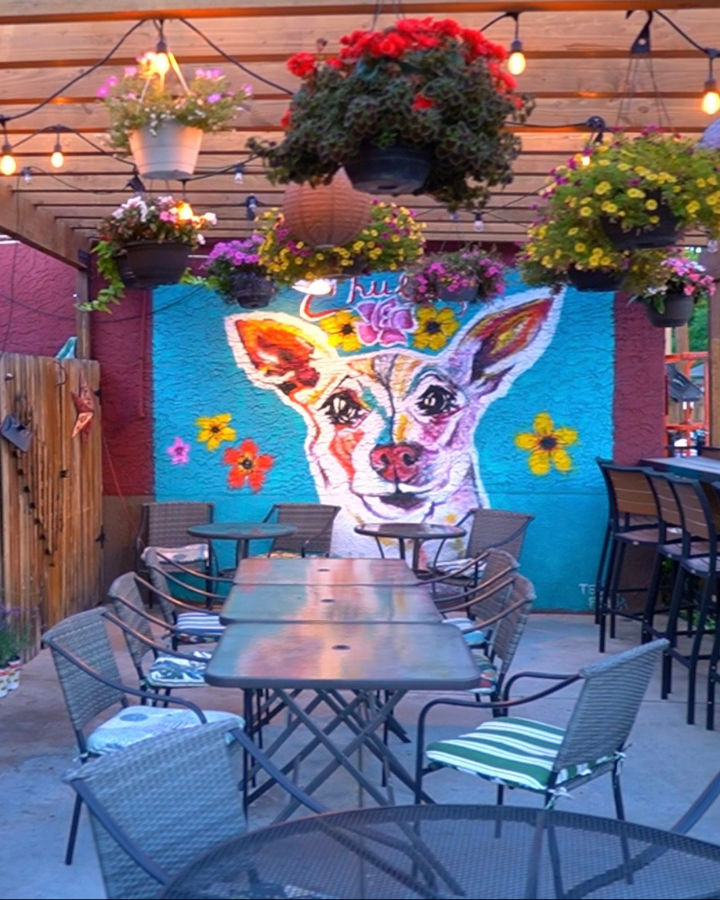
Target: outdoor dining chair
(90,679)
(163,525)
(522,753)
(314,528)
(184,582)
(159,803)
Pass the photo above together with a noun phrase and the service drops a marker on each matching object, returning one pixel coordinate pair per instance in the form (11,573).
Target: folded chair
(542,757)
(90,679)
(156,805)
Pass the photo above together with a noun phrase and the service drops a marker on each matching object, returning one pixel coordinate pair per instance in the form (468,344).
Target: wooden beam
(38,228)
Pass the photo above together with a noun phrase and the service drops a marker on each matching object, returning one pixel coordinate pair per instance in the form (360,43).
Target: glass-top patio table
(324,570)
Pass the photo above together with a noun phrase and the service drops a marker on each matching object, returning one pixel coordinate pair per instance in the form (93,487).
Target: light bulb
(57,158)
(479,223)
(239,173)
(27,175)
(585,158)
(453,216)
(711,99)
(8,166)
(516,61)
(184,211)
(159,63)
(712,246)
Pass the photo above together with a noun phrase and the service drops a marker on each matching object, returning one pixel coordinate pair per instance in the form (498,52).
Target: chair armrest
(182,607)
(210,598)
(183,567)
(485,623)
(153,620)
(482,592)
(445,576)
(152,645)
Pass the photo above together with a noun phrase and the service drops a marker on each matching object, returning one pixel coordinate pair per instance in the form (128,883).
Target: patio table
(454,850)
(241,532)
(359,671)
(324,570)
(416,533)
(329,603)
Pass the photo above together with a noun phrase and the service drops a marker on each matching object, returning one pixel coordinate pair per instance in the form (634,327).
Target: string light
(8,166)
(251,207)
(184,211)
(26,174)
(239,173)
(57,158)
(479,223)
(516,61)
(711,99)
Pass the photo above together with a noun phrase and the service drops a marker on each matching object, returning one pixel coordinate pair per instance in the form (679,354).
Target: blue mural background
(195,375)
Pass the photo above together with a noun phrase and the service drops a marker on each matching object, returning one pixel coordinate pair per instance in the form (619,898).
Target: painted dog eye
(342,408)
(436,400)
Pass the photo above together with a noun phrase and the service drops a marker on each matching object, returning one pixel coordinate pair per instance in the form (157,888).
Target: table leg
(242,550)
(401,547)
(416,554)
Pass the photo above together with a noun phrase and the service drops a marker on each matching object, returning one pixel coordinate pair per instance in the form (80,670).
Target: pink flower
(386,322)
(179,452)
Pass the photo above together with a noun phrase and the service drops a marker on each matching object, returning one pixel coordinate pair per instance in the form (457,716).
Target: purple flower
(386,322)
(179,452)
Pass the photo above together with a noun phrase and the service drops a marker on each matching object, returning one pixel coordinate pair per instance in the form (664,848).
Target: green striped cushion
(513,751)
(472,638)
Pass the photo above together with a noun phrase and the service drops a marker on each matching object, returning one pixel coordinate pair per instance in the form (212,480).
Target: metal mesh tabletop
(453,851)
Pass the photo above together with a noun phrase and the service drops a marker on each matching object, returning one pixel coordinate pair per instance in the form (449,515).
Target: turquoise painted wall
(559,363)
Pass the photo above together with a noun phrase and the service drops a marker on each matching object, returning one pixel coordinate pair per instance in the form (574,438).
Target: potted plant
(143,243)
(392,241)
(15,638)
(680,283)
(160,127)
(429,95)
(234,270)
(467,275)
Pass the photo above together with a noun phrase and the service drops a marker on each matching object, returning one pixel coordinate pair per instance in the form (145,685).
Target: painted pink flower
(179,452)
(386,322)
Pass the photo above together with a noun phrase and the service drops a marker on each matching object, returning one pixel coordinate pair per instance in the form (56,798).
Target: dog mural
(391,431)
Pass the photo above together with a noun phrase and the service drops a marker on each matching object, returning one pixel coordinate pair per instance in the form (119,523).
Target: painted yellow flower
(214,430)
(435,327)
(547,444)
(341,332)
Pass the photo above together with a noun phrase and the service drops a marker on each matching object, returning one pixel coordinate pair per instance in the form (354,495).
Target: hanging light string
(711,99)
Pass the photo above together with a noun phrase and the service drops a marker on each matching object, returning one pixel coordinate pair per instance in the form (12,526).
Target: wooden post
(711,261)
(82,319)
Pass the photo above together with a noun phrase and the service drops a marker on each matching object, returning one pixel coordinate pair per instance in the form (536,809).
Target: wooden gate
(50,489)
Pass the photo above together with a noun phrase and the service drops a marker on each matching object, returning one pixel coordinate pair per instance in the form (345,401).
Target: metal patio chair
(163,525)
(314,524)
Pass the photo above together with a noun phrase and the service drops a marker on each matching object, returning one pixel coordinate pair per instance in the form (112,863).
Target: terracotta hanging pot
(678,311)
(595,279)
(389,170)
(327,215)
(250,291)
(664,234)
(171,153)
(148,264)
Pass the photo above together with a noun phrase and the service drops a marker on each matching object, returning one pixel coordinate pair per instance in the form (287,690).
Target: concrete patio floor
(668,762)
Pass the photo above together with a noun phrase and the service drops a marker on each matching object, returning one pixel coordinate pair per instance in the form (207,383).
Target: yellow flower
(214,430)
(603,188)
(435,327)
(547,444)
(340,329)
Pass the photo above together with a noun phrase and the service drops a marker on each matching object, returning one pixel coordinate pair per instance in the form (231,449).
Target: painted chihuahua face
(390,434)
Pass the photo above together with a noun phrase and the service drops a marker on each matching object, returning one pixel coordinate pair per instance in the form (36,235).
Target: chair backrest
(708,451)
(666,500)
(495,585)
(174,796)
(82,640)
(630,496)
(128,607)
(314,524)
(501,528)
(509,629)
(608,704)
(697,515)
(159,581)
(165,524)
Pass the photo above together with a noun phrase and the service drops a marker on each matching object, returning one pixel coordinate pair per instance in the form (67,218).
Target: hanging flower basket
(389,170)
(664,234)
(148,264)
(249,290)
(595,279)
(677,312)
(326,215)
(465,294)
(171,151)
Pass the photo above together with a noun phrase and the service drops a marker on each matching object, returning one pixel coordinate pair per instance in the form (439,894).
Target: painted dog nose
(396,462)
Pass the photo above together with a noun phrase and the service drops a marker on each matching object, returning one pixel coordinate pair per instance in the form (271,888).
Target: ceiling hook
(641,44)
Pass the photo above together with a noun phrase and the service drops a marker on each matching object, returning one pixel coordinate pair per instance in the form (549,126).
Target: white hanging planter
(170,153)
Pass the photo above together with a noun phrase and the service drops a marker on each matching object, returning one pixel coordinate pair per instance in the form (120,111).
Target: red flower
(285,121)
(247,465)
(301,64)
(334,62)
(392,45)
(422,102)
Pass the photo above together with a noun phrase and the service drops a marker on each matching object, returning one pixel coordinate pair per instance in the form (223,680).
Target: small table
(328,603)
(415,532)
(450,850)
(241,532)
(325,571)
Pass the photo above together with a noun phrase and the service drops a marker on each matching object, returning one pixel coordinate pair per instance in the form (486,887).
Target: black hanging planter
(468,294)
(392,170)
(595,279)
(678,311)
(664,234)
(250,291)
(148,264)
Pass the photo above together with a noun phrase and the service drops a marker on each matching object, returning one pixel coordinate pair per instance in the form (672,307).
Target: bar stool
(694,590)
(632,522)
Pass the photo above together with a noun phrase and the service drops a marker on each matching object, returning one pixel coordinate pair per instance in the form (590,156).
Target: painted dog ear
(277,354)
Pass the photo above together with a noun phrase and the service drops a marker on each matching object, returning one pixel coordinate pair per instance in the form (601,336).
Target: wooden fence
(51,491)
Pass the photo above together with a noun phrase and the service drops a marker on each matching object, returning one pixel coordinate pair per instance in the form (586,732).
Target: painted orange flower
(547,444)
(247,465)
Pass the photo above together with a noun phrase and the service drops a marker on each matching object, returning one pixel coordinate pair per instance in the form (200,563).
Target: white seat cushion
(136,723)
(188,554)
(175,671)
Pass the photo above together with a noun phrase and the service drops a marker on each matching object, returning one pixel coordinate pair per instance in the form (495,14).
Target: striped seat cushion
(472,638)
(513,751)
(488,675)
(200,624)
(175,671)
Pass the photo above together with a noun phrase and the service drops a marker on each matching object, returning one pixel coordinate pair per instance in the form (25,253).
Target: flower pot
(148,264)
(250,291)
(664,234)
(466,294)
(4,680)
(389,170)
(171,153)
(327,215)
(14,669)
(595,279)
(678,310)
